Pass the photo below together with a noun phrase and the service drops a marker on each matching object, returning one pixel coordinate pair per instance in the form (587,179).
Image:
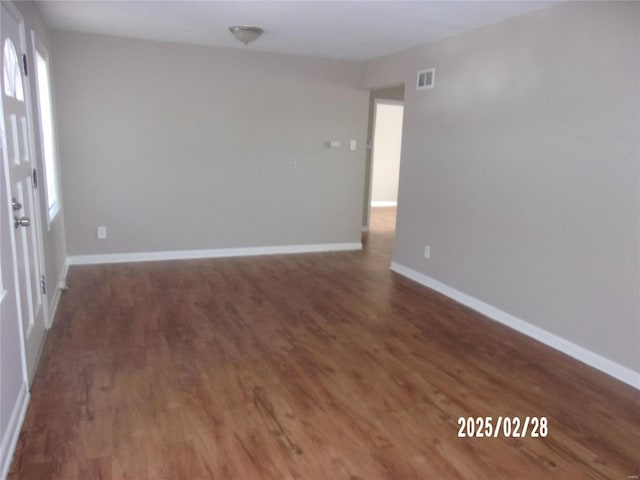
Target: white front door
(12,373)
(17,156)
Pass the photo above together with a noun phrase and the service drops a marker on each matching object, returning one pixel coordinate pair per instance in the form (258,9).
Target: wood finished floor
(314,367)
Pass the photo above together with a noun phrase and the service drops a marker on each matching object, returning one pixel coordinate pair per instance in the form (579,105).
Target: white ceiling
(354,30)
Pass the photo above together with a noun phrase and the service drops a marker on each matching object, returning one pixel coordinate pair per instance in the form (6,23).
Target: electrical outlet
(102,232)
(427,252)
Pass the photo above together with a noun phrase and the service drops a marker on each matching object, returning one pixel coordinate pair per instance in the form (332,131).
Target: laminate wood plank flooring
(313,366)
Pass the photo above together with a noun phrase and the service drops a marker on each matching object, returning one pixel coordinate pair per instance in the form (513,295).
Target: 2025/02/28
(514,427)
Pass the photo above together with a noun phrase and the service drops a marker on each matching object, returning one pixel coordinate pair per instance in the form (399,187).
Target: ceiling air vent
(426,79)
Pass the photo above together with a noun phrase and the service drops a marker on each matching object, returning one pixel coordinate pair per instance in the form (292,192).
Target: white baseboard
(55,298)
(10,436)
(215,253)
(592,359)
(383,203)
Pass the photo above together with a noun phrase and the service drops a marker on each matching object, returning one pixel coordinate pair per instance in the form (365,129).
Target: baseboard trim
(384,203)
(10,436)
(588,357)
(55,298)
(215,253)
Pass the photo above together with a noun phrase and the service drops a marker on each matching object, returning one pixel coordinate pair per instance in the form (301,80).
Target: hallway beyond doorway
(381,234)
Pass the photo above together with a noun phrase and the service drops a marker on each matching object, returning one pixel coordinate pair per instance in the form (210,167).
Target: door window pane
(11,72)
(47,133)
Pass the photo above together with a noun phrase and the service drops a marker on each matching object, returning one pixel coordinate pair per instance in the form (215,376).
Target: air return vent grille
(426,79)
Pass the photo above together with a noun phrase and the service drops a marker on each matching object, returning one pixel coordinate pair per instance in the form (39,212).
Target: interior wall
(387,146)
(393,90)
(178,147)
(520,169)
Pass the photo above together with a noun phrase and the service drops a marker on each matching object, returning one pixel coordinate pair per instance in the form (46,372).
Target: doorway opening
(386,108)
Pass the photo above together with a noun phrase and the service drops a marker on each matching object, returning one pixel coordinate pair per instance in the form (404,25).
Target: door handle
(21,222)
(16,204)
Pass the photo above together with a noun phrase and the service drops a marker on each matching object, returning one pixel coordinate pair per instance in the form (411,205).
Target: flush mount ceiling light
(246,33)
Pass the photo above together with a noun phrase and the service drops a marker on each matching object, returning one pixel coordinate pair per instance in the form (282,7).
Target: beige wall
(521,170)
(176,147)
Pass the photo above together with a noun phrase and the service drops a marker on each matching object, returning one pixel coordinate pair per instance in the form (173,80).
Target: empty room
(320,240)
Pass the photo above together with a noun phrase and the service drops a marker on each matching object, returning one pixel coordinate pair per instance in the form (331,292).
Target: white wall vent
(426,79)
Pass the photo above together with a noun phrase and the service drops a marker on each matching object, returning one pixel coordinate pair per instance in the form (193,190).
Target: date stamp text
(511,427)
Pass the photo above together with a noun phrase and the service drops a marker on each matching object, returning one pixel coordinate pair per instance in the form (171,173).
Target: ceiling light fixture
(246,33)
